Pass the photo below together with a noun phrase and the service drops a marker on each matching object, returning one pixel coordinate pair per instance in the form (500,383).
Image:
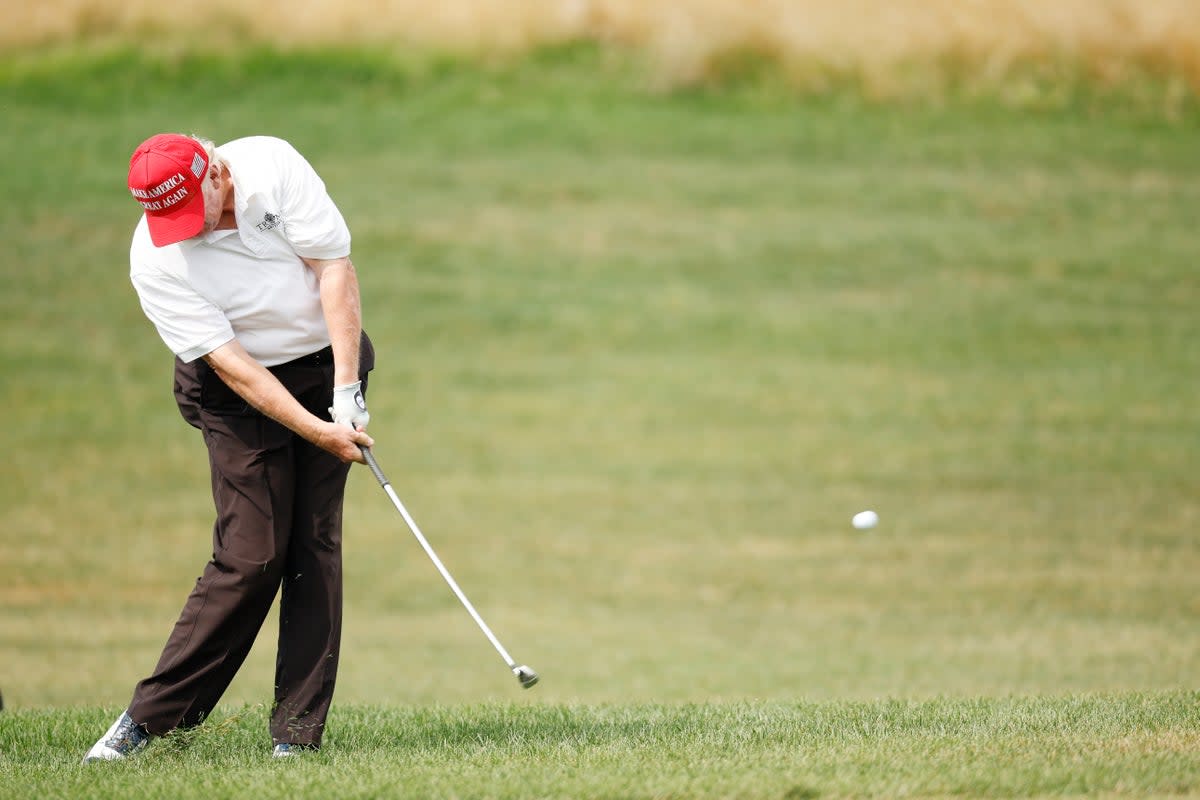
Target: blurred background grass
(662,296)
(904,47)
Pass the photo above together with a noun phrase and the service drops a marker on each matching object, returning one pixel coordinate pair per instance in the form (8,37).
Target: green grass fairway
(1132,744)
(641,358)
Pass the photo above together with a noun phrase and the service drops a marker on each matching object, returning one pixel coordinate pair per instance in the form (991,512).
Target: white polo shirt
(249,283)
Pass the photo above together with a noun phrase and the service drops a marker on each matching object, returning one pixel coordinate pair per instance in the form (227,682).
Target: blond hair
(210,150)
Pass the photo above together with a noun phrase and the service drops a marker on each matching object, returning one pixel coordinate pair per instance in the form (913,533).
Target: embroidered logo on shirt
(269,221)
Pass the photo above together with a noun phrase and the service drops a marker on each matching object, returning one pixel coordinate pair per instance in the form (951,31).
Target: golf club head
(526,676)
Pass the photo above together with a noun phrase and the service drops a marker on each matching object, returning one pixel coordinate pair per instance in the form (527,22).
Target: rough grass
(904,47)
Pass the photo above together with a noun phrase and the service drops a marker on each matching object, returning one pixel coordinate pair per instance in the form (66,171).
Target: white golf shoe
(285,750)
(123,739)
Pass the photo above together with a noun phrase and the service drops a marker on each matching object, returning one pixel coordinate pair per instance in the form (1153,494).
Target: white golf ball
(865,520)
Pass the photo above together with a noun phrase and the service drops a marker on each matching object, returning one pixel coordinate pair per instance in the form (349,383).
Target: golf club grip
(374,465)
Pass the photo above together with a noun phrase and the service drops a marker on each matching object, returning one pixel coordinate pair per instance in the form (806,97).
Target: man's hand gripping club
(349,406)
(350,409)
(263,391)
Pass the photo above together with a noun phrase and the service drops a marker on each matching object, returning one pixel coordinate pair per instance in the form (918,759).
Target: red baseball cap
(165,175)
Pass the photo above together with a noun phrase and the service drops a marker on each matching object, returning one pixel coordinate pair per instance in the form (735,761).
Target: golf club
(524,674)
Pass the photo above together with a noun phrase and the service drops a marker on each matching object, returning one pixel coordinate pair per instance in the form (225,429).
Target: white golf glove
(349,406)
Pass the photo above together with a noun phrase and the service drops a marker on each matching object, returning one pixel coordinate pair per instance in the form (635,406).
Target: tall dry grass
(882,43)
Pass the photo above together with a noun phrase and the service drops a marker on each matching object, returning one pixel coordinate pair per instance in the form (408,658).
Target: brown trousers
(279,523)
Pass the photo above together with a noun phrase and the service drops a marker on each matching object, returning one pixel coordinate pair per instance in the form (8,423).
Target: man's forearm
(255,384)
(343,317)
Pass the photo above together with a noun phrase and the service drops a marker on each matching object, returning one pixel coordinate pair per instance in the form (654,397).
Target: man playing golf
(242,262)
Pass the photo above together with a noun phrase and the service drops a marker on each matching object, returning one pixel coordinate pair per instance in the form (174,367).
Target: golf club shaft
(437,562)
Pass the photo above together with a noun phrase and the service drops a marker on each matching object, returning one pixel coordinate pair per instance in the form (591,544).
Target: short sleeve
(188,324)
(312,223)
